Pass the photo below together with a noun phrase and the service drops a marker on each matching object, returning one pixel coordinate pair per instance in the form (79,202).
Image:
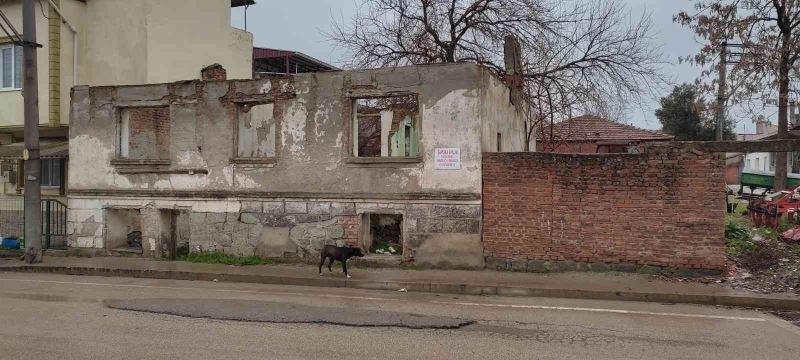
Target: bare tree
(577,56)
(768,37)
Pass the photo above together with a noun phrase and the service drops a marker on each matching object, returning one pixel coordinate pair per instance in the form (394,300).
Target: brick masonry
(149,133)
(214,72)
(663,208)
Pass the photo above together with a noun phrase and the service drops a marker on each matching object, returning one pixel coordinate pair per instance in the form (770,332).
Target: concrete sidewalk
(579,285)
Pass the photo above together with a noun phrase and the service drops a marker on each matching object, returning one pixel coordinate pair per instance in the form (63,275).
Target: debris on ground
(759,259)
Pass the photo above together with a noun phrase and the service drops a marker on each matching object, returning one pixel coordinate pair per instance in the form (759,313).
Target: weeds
(737,238)
(751,254)
(221,258)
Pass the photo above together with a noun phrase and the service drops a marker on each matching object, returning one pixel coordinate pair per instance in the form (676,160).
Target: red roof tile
(593,128)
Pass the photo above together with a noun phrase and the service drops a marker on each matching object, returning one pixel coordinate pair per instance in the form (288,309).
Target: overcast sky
(299,24)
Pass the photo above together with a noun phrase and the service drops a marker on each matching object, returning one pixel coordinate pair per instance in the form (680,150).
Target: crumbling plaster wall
(312,134)
(500,116)
(312,186)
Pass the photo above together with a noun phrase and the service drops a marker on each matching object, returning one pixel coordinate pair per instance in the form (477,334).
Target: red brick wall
(661,208)
(214,73)
(350,225)
(149,133)
(732,174)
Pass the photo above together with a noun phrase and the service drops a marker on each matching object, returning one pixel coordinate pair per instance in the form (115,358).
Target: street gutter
(778,303)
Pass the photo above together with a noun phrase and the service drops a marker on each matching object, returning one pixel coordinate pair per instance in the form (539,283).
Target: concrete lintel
(262,98)
(141,103)
(115,198)
(370,93)
(274,195)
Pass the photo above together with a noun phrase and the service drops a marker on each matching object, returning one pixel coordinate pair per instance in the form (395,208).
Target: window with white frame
(52,172)
(10,67)
(771,159)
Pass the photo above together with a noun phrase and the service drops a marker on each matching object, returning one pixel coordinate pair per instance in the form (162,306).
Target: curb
(771,303)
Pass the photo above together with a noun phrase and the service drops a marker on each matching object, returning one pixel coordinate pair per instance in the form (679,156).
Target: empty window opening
(144,133)
(382,234)
(256,135)
(499,142)
(386,126)
(124,230)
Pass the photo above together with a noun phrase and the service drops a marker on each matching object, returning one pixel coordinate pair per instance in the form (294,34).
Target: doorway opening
(382,236)
(124,230)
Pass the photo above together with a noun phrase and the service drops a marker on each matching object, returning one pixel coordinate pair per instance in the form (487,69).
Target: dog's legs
(321,262)
(329,265)
(344,268)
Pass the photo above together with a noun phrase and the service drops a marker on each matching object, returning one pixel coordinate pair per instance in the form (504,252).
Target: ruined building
(421,164)
(388,159)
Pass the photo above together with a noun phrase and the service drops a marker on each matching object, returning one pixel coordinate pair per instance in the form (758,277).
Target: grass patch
(752,254)
(767,233)
(220,258)
(413,267)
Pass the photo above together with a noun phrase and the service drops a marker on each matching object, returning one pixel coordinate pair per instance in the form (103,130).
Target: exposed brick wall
(349,224)
(214,73)
(661,208)
(149,133)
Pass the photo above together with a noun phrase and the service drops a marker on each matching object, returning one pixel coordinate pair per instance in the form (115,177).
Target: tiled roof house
(589,134)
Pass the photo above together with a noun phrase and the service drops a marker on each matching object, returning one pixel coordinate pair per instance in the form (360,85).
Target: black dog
(337,253)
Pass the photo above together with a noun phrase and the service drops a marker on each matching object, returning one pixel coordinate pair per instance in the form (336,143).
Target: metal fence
(54,221)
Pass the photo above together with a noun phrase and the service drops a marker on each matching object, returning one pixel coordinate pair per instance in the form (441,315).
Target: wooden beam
(785,145)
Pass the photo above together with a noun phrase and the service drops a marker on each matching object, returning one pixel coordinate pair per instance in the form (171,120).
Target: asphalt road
(65,317)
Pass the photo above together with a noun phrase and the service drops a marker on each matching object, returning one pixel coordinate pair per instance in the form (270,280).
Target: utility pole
(512,56)
(719,116)
(30,88)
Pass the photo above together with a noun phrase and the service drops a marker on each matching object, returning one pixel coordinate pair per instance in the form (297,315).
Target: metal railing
(54,221)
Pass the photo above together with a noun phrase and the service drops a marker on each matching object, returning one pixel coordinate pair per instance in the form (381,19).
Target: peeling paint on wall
(309,179)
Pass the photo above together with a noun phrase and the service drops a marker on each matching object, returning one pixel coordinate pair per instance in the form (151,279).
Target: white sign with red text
(448,159)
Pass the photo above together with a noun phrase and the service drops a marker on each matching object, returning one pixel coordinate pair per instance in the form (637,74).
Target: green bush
(221,258)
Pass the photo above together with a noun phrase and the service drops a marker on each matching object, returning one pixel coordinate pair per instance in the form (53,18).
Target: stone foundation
(439,234)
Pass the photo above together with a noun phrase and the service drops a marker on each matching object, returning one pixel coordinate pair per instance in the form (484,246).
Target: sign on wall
(448,159)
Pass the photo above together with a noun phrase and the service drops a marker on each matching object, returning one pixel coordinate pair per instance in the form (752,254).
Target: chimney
(513,59)
(762,125)
(213,73)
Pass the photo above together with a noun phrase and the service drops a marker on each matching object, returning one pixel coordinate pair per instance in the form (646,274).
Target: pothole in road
(277,312)
(792,317)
